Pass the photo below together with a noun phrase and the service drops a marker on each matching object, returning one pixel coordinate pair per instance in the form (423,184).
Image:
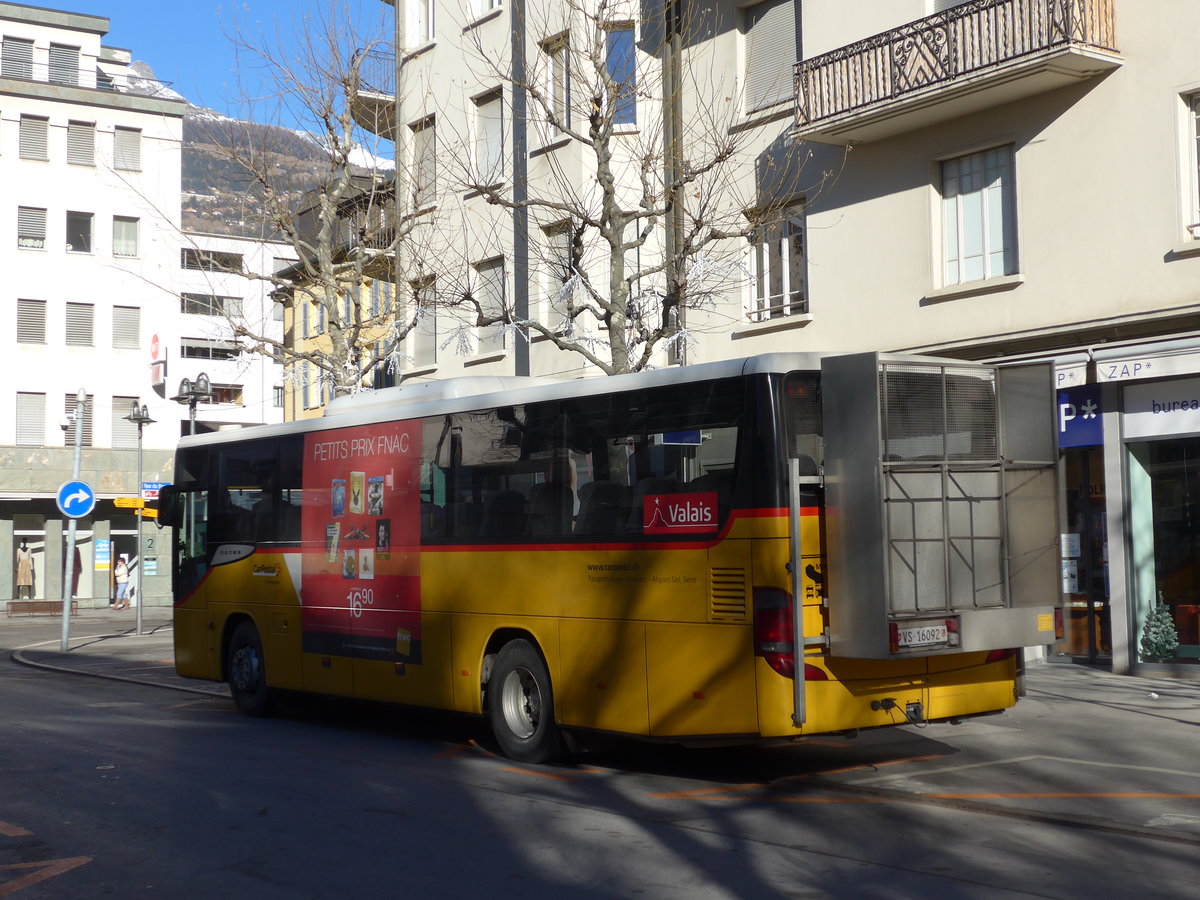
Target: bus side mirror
(168,506)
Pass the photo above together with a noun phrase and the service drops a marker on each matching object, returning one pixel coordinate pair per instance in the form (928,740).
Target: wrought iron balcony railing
(946,49)
(377,72)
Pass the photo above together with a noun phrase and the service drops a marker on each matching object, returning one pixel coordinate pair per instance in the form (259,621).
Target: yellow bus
(763,548)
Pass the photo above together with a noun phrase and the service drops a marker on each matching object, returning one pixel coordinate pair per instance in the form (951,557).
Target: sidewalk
(104,644)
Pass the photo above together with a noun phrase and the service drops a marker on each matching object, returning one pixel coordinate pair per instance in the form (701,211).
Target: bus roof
(450,395)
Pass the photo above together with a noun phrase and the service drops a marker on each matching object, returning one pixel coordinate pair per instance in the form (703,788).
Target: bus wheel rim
(521,702)
(245,669)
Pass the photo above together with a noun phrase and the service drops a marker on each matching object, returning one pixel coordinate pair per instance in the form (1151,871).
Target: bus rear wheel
(521,705)
(247,671)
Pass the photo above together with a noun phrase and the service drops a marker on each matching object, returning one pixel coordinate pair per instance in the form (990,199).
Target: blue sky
(186,42)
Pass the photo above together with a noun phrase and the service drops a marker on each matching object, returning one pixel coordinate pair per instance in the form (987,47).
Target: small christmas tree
(1159,637)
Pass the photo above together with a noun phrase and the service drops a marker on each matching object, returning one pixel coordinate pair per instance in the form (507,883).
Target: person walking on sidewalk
(121,574)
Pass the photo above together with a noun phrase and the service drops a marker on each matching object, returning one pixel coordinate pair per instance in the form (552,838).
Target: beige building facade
(989,179)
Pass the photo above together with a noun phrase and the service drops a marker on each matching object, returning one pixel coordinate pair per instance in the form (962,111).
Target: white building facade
(92,251)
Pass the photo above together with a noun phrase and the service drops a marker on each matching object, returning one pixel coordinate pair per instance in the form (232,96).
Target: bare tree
(345,228)
(642,227)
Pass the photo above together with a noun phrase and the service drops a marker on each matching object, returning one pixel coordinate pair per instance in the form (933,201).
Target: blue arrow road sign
(76,499)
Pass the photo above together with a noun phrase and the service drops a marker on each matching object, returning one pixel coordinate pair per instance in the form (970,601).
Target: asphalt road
(1089,788)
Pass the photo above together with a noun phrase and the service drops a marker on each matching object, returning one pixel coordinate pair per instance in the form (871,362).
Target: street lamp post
(139,416)
(191,393)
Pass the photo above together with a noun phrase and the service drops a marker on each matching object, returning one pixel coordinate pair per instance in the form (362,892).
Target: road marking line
(13,830)
(1068,795)
(550,775)
(45,871)
(702,792)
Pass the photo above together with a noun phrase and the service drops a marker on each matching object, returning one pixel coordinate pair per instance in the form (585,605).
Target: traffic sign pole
(64,499)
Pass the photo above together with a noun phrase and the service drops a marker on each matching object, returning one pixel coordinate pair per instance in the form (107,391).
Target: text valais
(679,513)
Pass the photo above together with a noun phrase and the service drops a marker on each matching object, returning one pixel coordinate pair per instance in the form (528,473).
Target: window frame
(120,241)
(624,112)
(31,321)
(491,273)
(557,81)
(127,149)
(26,216)
(959,213)
(13,65)
(80,324)
(127,328)
(87,236)
(424,190)
(33,140)
(81,143)
(489,137)
(30,419)
(777,262)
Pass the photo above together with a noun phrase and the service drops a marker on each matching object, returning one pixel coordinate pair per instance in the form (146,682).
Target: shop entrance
(1088,631)
(1173,469)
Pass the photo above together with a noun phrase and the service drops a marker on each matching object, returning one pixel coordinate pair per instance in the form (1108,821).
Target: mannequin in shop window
(24,572)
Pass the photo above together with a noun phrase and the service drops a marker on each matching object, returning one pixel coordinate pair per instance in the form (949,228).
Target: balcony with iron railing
(374,104)
(971,57)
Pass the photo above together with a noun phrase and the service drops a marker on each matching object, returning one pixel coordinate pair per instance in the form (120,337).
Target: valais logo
(679,513)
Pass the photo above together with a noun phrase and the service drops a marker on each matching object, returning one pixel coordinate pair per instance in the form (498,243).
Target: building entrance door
(1085,558)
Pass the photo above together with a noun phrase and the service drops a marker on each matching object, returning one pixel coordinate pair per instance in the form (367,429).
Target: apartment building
(977,179)
(104,295)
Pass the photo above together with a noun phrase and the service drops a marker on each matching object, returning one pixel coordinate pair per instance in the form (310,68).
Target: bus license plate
(923,635)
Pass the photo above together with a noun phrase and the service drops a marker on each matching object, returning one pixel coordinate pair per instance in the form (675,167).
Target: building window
(125,236)
(124,432)
(31,420)
(978,221)
(227,395)
(277,396)
(425,334)
(491,300)
(779,269)
(210,260)
(1194,143)
(621,68)
(16,58)
(424,163)
(210,305)
(204,348)
(426,11)
(69,403)
(306,391)
(560,273)
(127,326)
(558,81)
(79,232)
(127,149)
(81,320)
(277,311)
(772,48)
(33,141)
(489,138)
(31,321)
(31,228)
(81,143)
(64,64)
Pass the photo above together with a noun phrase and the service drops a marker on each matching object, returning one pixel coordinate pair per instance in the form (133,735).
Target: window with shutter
(424,162)
(489,138)
(125,236)
(127,149)
(31,420)
(86,419)
(31,321)
(81,143)
(31,228)
(64,64)
(127,324)
(16,58)
(34,137)
(425,335)
(491,299)
(81,319)
(124,432)
(772,48)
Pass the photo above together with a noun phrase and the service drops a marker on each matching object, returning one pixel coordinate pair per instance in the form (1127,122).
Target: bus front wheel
(521,705)
(247,671)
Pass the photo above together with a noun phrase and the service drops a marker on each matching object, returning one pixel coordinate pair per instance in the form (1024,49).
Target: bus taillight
(774,635)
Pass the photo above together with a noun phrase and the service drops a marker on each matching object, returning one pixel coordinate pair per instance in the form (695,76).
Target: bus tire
(521,705)
(247,671)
